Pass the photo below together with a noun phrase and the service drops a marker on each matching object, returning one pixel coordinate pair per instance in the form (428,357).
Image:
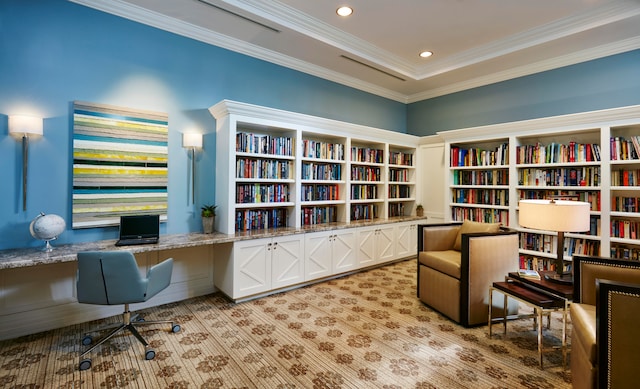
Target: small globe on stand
(47,228)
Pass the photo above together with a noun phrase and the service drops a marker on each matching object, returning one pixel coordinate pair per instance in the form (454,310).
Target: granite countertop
(26,257)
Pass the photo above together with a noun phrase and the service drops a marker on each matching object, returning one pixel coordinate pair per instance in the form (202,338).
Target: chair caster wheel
(175,328)
(87,340)
(85,364)
(149,355)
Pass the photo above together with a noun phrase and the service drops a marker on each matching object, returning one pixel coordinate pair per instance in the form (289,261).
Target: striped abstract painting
(120,160)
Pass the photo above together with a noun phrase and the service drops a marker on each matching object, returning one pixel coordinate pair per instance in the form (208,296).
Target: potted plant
(208,217)
(419,210)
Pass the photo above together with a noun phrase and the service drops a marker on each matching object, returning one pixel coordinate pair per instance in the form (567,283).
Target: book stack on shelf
(321,178)
(557,153)
(623,149)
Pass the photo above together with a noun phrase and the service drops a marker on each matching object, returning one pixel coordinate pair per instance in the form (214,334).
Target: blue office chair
(112,278)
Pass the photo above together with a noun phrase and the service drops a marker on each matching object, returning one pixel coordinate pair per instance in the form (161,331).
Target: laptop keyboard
(131,242)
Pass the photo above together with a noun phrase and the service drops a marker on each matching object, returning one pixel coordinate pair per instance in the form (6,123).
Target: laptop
(139,229)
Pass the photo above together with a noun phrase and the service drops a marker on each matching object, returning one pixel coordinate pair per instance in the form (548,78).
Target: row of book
(547,244)
(623,149)
(400,158)
(399,191)
(318,215)
(365,173)
(625,204)
(625,177)
(364,211)
(249,142)
(259,219)
(536,263)
(263,168)
(480,215)
(396,209)
(478,157)
(319,192)
(626,229)
(364,192)
(322,150)
(321,171)
(625,252)
(557,153)
(480,196)
(398,175)
(262,193)
(584,176)
(591,197)
(481,177)
(367,154)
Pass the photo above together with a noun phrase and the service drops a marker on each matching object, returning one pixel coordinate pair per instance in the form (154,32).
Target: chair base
(128,323)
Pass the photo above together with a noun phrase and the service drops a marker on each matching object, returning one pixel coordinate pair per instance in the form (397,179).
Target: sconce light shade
(20,125)
(192,139)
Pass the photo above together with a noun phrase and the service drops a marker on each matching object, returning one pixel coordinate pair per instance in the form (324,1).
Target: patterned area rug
(367,330)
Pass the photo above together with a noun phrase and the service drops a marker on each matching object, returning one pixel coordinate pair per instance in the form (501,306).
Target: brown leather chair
(457,263)
(605,314)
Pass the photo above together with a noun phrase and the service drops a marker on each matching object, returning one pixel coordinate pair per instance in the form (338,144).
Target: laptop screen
(139,226)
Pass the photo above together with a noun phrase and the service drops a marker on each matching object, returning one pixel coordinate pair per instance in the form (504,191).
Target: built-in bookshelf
(401,177)
(624,145)
(322,177)
(264,178)
(479,181)
(277,169)
(552,157)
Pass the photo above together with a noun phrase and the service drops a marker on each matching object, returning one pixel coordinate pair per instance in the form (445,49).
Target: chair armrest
(159,277)
(437,237)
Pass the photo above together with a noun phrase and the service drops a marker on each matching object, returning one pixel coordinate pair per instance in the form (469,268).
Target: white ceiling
(475,42)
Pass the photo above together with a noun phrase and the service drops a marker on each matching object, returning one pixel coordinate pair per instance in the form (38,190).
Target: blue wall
(53,52)
(599,84)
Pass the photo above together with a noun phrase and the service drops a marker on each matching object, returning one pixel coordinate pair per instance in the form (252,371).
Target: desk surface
(561,290)
(26,257)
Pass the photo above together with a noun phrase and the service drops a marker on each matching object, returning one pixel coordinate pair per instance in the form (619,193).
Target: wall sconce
(22,127)
(192,141)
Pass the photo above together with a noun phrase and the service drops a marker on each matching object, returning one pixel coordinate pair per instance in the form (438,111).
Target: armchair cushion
(470,227)
(583,320)
(447,262)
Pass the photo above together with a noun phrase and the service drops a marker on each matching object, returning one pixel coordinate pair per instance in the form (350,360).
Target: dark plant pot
(419,212)
(207,224)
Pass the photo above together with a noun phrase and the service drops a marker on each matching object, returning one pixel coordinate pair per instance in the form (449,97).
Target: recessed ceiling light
(426,54)
(344,11)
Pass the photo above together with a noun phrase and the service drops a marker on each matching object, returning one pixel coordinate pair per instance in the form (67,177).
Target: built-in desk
(37,289)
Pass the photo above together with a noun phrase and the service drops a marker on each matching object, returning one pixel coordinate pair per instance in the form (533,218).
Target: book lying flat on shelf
(526,273)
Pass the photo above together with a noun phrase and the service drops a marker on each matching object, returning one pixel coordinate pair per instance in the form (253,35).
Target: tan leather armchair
(456,269)
(605,339)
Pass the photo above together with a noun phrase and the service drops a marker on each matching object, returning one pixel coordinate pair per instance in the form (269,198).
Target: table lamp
(556,215)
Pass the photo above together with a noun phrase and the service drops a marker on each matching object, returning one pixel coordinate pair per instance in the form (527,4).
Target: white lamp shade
(192,139)
(20,125)
(557,215)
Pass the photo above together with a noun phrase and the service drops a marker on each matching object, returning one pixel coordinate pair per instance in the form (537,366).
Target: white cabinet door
(287,261)
(318,255)
(252,267)
(343,244)
(366,246)
(386,243)
(376,244)
(406,239)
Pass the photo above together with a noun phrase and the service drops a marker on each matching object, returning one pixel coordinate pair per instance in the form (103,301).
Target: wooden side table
(543,304)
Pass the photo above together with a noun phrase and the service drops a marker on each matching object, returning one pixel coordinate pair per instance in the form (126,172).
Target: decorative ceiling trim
(163,22)
(532,68)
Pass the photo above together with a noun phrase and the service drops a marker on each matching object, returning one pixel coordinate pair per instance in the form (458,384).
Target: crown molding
(564,123)
(532,68)
(163,22)
(278,117)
